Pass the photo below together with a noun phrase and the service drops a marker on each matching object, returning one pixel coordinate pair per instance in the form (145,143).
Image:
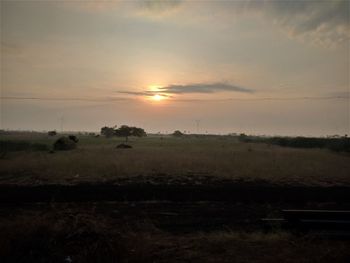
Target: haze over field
(259,67)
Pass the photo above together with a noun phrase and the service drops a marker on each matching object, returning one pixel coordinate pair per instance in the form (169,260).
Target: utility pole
(197,125)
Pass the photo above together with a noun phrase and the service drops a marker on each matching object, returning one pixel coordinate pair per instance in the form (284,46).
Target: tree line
(123,131)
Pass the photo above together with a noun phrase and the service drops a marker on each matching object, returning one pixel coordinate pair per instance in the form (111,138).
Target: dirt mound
(123,146)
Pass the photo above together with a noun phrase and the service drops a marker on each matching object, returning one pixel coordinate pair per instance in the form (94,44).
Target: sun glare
(157,97)
(154,87)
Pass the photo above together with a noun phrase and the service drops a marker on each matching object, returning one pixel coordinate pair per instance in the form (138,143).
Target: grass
(69,235)
(169,159)
(13,146)
(340,144)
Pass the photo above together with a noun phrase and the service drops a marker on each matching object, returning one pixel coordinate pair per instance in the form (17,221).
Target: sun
(157,97)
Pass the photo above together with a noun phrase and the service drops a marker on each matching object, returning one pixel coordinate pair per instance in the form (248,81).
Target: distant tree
(52,133)
(123,131)
(73,138)
(138,132)
(177,133)
(107,131)
(126,131)
(243,137)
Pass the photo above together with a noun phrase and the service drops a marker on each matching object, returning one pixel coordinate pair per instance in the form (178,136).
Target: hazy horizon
(254,67)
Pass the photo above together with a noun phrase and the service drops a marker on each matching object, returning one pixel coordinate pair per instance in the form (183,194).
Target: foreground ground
(156,232)
(167,200)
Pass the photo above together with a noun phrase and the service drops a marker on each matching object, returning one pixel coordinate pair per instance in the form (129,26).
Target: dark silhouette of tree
(107,131)
(126,131)
(138,132)
(123,131)
(177,133)
(52,133)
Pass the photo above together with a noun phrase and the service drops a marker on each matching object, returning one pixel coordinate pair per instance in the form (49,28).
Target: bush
(64,144)
(52,133)
(13,146)
(73,138)
(340,145)
(177,133)
(335,144)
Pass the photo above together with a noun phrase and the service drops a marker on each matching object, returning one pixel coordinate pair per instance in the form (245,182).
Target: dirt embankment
(228,192)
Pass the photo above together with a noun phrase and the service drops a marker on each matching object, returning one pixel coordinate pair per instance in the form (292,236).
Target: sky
(258,67)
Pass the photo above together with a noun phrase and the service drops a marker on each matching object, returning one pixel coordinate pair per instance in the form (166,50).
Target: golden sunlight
(158,97)
(154,87)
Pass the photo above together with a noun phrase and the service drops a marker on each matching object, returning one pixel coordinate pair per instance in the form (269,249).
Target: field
(187,199)
(156,159)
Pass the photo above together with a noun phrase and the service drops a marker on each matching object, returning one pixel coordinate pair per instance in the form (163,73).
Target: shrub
(13,146)
(340,145)
(52,133)
(64,144)
(335,144)
(73,138)
(177,133)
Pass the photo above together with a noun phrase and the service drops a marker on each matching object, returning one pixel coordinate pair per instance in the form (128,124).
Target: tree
(52,133)
(126,131)
(107,131)
(177,133)
(138,132)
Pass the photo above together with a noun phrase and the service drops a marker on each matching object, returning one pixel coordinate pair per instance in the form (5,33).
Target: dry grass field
(154,159)
(159,201)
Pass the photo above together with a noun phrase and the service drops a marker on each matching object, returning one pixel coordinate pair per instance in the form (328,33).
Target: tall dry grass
(177,160)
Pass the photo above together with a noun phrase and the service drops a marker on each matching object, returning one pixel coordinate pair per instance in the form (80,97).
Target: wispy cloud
(322,23)
(189,88)
(325,23)
(137,93)
(203,88)
(160,6)
(148,8)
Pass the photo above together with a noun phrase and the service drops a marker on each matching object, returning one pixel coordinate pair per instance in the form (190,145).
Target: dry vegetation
(173,160)
(162,231)
(72,236)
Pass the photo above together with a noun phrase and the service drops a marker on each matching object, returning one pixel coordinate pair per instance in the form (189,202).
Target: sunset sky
(259,67)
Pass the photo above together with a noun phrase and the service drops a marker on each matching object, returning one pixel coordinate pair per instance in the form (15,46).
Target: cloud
(203,88)
(190,88)
(156,9)
(322,23)
(325,23)
(160,6)
(92,6)
(138,93)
